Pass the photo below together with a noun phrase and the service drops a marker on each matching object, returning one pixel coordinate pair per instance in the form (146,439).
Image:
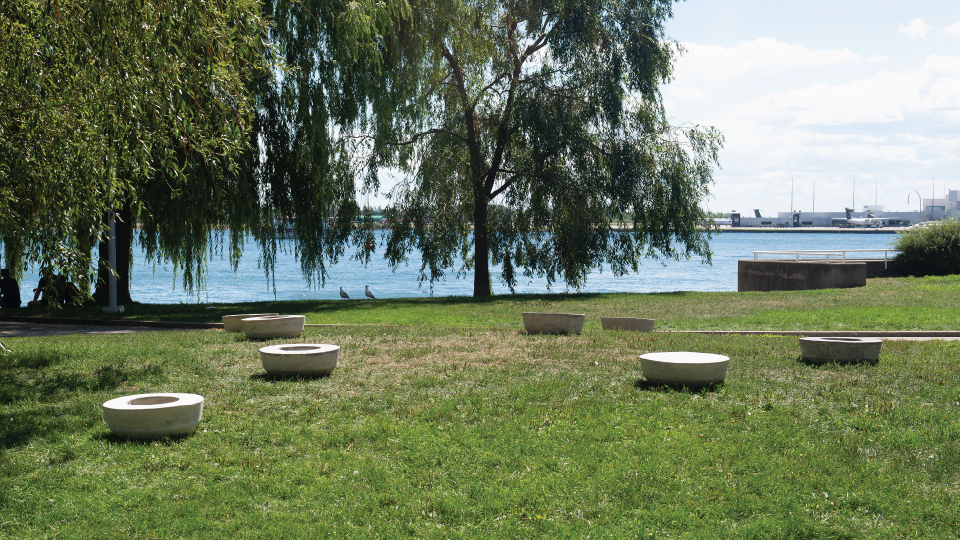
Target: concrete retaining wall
(788,275)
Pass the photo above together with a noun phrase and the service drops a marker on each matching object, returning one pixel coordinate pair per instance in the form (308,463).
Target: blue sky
(824,93)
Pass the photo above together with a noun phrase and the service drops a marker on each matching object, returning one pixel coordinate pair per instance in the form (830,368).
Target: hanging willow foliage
(192,117)
(533,135)
(102,101)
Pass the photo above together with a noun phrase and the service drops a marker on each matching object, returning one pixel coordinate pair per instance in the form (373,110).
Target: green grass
(480,433)
(931,303)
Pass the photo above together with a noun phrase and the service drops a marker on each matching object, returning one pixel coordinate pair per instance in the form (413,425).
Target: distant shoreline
(835,230)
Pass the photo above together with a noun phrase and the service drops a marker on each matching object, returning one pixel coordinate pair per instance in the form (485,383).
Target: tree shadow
(39,393)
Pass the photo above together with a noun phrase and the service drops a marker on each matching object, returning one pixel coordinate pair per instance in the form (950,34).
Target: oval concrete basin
(632,324)
(300,359)
(842,350)
(553,323)
(232,323)
(275,326)
(153,416)
(690,369)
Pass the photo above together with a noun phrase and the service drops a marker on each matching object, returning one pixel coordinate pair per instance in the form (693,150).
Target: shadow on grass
(214,312)
(642,384)
(267,377)
(20,426)
(111,438)
(817,363)
(40,397)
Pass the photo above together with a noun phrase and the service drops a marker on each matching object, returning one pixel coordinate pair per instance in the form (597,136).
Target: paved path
(23,329)
(34,327)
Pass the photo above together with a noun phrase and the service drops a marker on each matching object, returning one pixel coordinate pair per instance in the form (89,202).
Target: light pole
(853,203)
(919,198)
(791,195)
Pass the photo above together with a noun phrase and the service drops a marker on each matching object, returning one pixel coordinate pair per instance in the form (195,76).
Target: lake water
(158,285)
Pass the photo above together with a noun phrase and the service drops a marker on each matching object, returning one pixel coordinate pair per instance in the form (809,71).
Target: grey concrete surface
(26,329)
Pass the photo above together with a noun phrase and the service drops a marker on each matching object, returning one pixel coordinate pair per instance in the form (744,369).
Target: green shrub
(932,250)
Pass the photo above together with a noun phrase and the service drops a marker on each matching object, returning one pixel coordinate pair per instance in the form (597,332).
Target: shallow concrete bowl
(842,350)
(274,326)
(153,416)
(232,323)
(690,369)
(553,323)
(632,324)
(312,359)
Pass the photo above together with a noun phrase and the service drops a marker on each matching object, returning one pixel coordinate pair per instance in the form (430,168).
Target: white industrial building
(934,209)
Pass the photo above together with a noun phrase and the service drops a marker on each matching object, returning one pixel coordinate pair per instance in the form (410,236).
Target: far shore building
(933,209)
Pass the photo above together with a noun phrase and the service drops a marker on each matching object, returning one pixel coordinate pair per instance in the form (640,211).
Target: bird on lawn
(343,294)
(5,349)
(366,291)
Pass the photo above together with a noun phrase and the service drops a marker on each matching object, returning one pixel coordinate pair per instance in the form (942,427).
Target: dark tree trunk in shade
(124,224)
(481,239)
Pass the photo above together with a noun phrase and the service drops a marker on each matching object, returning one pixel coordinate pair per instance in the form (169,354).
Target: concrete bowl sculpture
(633,324)
(274,326)
(311,359)
(842,350)
(153,416)
(232,323)
(553,323)
(690,369)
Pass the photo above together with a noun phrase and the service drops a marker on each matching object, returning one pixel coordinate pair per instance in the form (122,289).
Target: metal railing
(830,255)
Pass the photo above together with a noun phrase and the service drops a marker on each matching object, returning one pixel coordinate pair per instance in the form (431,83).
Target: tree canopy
(534,134)
(98,99)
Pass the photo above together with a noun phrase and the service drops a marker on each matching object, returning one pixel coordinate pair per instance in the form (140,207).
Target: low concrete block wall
(878,269)
(787,275)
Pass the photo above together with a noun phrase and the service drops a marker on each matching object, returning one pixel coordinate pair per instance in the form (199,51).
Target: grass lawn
(445,432)
(931,303)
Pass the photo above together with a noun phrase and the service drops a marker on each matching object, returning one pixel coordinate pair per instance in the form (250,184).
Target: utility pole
(791,195)
(853,203)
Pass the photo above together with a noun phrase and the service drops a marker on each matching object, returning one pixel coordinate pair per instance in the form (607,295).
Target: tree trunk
(124,224)
(481,245)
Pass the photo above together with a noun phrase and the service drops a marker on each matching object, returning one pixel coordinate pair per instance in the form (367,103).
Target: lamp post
(919,198)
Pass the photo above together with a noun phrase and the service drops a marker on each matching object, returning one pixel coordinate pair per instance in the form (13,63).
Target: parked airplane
(870,221)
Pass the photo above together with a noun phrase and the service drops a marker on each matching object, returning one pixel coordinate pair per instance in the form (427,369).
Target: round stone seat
(313,359)
(273,326)
(842,350)
(553,323)
(232,323)
(632,324)
(153,416)
(690,369)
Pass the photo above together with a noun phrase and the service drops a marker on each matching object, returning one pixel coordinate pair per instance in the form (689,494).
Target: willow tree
(97,97)
(185,117)
(534,135)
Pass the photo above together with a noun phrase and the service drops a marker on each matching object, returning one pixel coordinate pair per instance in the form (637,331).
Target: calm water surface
(159,285)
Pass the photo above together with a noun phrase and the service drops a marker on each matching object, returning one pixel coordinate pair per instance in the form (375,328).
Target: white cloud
(685,93)
(718,63)
(893,126)
(917,29)
(953,30)
(934,88)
